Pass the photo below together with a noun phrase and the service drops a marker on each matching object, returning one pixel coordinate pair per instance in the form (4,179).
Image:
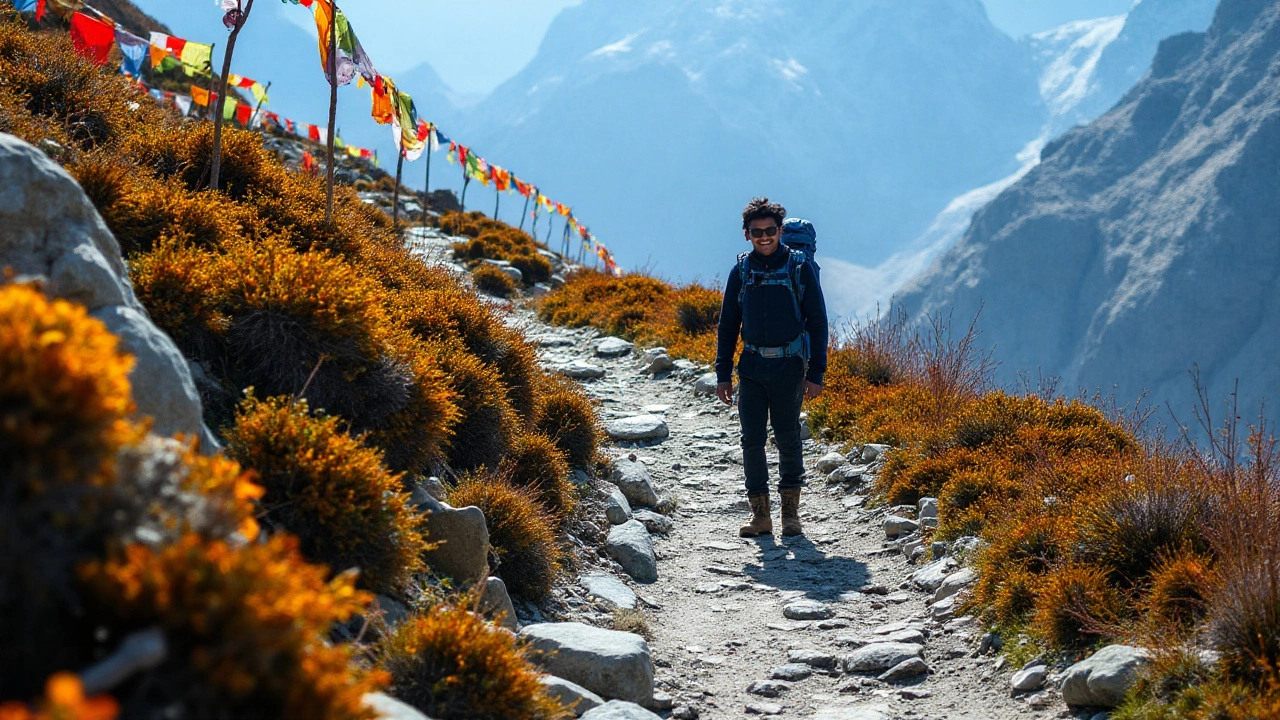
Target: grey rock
(49,229)
(768,688)
(580,370)
(1102,679)
(638,427)
(905,670)
(463,537)
(656,523)
(906,635)
(961,547)
(496,604)
(630,545)
(661,701)
(895,526)
(807,610)
(812,658)
(633,478)
(954,583)
(616,507)
(570,694)
(393,611)
(944,609)
(612,347)
(389,708)
(849,474)
(829,462)
(872,452)
(619,710)
(609,663)
(763,708)
(541,289)
(930,577)
(791,672)
(611,590)
(705,385)
(939,549)
(1029,679)
(685,712)
(658,363)
(878,657)
(928,508)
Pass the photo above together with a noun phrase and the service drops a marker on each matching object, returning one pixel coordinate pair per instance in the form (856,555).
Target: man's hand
(724,391)
(811,390)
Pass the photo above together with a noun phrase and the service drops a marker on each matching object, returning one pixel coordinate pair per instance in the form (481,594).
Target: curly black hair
(760,208)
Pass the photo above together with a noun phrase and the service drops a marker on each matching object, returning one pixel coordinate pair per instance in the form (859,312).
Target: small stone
(661,701)
(616,507)
(813,658)
(705,385)
(895,526)
(863,712)
(613,347)
(872,452)
(633,479)
(768,688)
(928,508)
(496,603)
(1029,679)
(638,427)
(567,693)
(389,708)
(630,545)
(656,523)
(878,657)
(807,610)
(580,370)
(954,583)
(791,671)
(659,363)
(829,462)
(905,670)
(606,662)
(764,708)
(873,590)
(684,712)
(930,577)
(619,710)
(609,589)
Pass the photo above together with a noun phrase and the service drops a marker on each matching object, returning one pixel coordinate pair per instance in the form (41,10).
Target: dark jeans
(771,389)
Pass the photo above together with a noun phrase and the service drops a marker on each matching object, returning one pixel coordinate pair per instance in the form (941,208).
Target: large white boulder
(462,552)
(1103,678)
(51,232)
(637,427)
(610,663)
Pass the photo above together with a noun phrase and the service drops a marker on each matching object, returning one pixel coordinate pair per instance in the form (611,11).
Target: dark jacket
(776,317)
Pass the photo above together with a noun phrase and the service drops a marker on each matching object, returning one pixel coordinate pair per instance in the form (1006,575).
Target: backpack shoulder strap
(743,272)
(795,271)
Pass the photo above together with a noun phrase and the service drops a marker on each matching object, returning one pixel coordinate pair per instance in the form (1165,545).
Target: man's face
(763,234)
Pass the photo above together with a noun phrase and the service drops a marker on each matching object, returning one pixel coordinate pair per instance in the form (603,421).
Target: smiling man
(774,301)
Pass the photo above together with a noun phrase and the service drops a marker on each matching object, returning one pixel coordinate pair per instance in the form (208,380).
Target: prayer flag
(202,97)
(229,108)
(184,104)
(24,5)
(244,114)
(352,59)
(195,57)
(253,86)
(313,133)
(92,38)
(133,51)
(384,110)
(404,125)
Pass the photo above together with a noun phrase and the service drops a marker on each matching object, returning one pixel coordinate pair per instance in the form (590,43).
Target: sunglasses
(761,232)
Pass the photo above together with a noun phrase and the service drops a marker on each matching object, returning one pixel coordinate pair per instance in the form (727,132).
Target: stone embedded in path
(906,670)
(768,688)
(609,663)
(705,385)
(630,545)
(763,708)
(954,583)
(632,477)
(863,712)
(656,523)
(619,710)
(610,589)
(567,693)
(895,526)
(791,672)
(930,577)
(616,507)
(1102,679)
(638,427)
(580,370)
(878,657)
(829,462)
(807,610)
(613,347)
(661,362)
(812,658)
(1029,679)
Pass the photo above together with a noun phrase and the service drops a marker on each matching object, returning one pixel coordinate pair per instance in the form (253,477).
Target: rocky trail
(853,620)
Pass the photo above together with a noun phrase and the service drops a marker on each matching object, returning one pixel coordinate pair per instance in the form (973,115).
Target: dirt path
(716,613)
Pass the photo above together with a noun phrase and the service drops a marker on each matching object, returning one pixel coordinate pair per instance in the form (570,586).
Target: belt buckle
(770,352)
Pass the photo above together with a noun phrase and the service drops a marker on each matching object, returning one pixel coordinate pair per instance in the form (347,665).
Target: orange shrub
(491,280)
(565,414)
(453,665)
(331,491)
(535,463)
(1074,603)
(521,533)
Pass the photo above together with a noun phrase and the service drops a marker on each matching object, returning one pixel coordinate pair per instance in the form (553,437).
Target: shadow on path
(819,575)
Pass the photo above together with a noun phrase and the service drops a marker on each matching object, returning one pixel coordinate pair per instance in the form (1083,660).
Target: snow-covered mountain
(1083,68)
(1147,242)
(657,121)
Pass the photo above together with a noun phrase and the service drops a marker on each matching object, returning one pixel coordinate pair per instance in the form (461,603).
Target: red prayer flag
(40,8)
(313,133)
(244,114)
(92,37)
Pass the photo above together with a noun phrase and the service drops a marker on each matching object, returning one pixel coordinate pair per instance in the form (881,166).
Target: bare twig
(139,651)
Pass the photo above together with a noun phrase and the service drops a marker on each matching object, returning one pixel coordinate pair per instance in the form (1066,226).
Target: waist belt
(792,349)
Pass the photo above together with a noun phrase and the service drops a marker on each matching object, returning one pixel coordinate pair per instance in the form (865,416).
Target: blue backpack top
(799,234)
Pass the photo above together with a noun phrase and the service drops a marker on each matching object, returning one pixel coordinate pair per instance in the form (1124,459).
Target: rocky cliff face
(1148,241)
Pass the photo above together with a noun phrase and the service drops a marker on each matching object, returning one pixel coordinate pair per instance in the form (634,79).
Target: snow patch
(1075,49)
(616,48)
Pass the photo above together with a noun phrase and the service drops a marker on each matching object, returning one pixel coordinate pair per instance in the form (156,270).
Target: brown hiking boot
(760,523)
(791,511)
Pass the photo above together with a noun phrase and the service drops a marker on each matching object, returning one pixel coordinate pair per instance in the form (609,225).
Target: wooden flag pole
(466,180)
(497,199)
(547,240)
(533,229)
(216,167)
(333,104)
(258,107)
(395,197)
(213,79)
(524,212)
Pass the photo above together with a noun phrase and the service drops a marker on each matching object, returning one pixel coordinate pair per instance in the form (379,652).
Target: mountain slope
(1148,241)
(658,121)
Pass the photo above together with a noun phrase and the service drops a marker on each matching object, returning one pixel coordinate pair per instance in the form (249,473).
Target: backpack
(788,275)
(800,235)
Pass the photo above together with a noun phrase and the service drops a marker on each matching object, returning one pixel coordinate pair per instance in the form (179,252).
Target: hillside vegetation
(339,370)
(1093,530)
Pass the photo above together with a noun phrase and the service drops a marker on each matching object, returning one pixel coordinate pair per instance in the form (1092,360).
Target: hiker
(773,298)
